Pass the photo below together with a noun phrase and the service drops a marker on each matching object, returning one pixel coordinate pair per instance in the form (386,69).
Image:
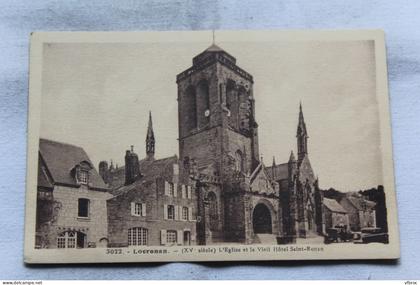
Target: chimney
(132,166)
(103,171)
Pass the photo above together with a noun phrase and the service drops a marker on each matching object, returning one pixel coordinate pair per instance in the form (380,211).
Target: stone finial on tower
(150,140)
(302,136)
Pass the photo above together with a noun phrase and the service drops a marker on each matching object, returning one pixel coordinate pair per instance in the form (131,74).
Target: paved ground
(310,240)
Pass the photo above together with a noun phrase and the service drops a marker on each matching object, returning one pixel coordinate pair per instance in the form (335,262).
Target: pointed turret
(150,140)
(292,157)
(274,161)
(302,136)
(291,165)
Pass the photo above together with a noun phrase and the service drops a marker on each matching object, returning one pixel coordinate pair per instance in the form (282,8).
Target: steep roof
(150,170)
(214,48)
(43,178)
(278,172)
(60,158)
(333,205)
(154,168)
(360,203)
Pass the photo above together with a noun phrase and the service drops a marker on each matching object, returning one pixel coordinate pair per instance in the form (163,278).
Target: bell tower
(218,135)
(216,114)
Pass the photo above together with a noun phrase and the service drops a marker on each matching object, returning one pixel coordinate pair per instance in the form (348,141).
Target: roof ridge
(59,142)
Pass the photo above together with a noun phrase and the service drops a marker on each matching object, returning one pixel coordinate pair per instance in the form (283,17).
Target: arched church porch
(263,225)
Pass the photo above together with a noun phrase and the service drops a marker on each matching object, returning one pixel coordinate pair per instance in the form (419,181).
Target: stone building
(239,198)
(71,199)
(333,215)
(154,205)
(361,212)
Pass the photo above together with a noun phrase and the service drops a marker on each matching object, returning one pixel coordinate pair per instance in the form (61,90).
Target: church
(233,196)
(240,199)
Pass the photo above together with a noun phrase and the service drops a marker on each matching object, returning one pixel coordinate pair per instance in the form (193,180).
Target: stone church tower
(218,147)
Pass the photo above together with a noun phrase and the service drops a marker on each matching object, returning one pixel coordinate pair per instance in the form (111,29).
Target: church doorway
(261,220)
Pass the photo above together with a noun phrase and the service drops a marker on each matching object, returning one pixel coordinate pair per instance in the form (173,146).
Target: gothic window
(137,236)
(239,161)
(83,208)
(213,211)
(232,103)
(203,103)
(171,237)
(190,109)
(244,112)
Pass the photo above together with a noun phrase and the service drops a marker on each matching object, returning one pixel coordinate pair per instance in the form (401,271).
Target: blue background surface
(399,19)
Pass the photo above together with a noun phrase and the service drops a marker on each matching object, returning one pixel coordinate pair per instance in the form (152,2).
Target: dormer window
(83,176)
(81,172)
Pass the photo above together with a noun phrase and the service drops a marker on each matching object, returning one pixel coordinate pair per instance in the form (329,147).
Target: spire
(274,161)
(301,129)
(150,140)
(302,136)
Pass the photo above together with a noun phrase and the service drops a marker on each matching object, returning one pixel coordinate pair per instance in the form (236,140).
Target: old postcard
(207,146)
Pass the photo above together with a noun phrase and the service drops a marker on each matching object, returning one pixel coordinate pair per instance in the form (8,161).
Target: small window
(185,213)
(171,212)
(171,189)
(83,176)
(136,209)
(83,208)
(171,237)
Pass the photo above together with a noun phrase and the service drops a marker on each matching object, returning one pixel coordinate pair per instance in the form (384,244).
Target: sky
(98,95)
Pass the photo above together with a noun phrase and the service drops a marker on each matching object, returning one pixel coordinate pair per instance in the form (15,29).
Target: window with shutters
(171,237)
(137,236)
(137,209)
(185,214)
(171,212)
(171,189)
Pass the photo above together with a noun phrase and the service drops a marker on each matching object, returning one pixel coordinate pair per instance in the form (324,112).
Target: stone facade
(154,205)
(334,215)
(155,192)
(361,212)
(218,140)
(70,211)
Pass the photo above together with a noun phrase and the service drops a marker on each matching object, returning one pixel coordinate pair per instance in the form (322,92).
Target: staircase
(265,239)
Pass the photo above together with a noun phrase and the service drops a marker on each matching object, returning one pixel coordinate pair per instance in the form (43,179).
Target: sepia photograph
(208,146)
